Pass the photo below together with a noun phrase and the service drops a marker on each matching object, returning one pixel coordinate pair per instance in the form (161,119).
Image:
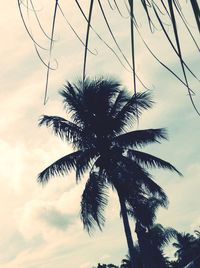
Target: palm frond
(141,209)
(132,109)
(94,200)
(151,186)
(143,204)
(161,236)
(135,178)
(60,167)
(140,137)
(72,100)
(83,99)
(148,160)
(63,128)
(119,101)
(85,162)
(101,91)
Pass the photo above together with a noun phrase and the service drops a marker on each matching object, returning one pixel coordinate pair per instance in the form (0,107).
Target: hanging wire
(170,7)
(119,11)
(171,43)
(101,39)
(186,84)
(50,51)
(114,39)
(133,45)
(26,27)
(38,21)
(87,38)
(180,53)
(95,52)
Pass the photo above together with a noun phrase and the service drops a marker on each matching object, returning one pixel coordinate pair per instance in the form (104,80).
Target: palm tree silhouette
(188,248)
(185,248)
(160,237)
(101,113)
(152,238)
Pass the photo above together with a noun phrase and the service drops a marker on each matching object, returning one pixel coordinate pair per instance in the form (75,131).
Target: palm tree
(152,238)
(159,238)
(106,266)
(188,248)
(143,209)
(126,263)
(150,248)
(185,248)
(101,113)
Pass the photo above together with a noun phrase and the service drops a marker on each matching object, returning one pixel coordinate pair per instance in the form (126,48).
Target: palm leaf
(100,91)
(82,100)
(161,236)
(132,109)
(85,162)
(148,160)
(94,200)
(147,181)
(72,100)
(143,208)
(140,137)
(134,178)
(63,128)
(60,167)
(119,101)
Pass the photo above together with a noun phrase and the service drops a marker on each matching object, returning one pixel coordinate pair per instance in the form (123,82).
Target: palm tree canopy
(102,112)
(187,248)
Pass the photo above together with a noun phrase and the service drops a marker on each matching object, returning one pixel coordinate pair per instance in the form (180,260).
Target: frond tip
(61,167)
(94,200)
(139,138)
(148,160)
(62,128)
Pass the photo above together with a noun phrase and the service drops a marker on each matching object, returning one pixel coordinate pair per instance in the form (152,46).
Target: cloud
(55,218)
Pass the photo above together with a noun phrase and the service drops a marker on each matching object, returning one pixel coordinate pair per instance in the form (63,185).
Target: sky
(41,226)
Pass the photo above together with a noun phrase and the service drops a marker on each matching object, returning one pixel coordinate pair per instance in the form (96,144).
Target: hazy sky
(40,226)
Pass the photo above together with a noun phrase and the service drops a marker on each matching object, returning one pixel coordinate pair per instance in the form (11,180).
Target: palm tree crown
(102,113)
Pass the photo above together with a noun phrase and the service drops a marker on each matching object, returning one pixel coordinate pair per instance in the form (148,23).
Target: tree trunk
(151,255)
(127,230)
(145,246)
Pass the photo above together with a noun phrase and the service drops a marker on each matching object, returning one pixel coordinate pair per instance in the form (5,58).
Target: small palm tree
(111,265)
(152,238)
(160,237)
(101,113)
(185,248)
(126,262)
